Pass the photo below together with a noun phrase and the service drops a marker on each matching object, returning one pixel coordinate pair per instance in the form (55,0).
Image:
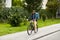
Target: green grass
(7,29)
(48,22)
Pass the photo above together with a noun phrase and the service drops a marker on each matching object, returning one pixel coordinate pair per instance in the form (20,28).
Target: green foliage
(43,11)
(25,21)
(4,14)
(33,4)
(43,14)
(43,17)
(0,4)
(15,14)
(18,3)
(52,6)
(18,15)
(15,20)
(0,1)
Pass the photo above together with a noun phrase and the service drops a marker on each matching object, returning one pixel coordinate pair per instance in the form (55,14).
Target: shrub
(15,16)
(4,15)
(15,20)
(43,18)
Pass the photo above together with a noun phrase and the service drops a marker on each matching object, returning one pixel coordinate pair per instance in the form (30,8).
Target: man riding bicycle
(34,17)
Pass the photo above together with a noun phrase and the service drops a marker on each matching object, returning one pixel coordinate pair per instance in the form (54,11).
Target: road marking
(46,35)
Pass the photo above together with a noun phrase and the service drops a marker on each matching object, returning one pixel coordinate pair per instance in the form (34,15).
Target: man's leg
(35,25)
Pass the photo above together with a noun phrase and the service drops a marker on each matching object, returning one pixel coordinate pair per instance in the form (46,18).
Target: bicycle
(30,28)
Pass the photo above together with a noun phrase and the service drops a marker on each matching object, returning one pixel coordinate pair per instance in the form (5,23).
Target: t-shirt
(35,16)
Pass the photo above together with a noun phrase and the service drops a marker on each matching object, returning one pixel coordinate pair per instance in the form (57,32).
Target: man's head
(33,11)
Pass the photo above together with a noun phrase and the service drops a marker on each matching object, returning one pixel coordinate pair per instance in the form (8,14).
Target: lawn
(8,29)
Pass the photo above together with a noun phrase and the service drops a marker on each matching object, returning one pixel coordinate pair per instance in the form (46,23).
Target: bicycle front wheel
(29,30)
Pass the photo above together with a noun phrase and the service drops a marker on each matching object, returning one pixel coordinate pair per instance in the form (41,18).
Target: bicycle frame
(30,28)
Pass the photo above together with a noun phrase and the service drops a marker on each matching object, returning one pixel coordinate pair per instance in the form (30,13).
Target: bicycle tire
(29,30)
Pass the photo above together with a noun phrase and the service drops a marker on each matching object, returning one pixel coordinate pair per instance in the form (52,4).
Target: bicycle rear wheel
(29,30)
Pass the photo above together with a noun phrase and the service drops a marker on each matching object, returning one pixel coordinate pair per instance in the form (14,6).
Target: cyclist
(34,17)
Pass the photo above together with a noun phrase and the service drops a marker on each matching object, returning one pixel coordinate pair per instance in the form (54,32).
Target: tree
(33,4)
(17,3)
(43,14)
(0,4)
(52,6)
(0,1)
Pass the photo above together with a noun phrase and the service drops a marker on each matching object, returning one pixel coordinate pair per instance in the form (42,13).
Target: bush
(4,13)
(15,16)
(43,18)
(15,20)
(25,21)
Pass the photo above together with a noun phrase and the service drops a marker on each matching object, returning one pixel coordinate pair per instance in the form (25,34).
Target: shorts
(33,19)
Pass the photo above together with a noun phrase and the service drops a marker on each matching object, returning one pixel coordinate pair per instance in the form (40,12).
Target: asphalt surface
(54,36)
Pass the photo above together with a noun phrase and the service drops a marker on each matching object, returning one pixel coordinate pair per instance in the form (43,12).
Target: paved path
(40,35)
(53,36)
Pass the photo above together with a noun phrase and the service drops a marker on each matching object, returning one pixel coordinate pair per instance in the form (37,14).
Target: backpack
(37,15)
